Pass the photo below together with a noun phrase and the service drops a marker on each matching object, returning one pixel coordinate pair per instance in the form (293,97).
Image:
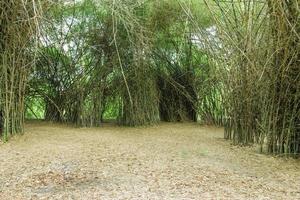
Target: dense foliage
(231,63)
(137,62)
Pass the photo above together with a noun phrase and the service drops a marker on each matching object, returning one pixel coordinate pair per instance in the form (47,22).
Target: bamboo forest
(150,99)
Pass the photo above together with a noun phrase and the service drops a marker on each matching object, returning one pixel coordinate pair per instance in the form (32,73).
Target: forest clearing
(149,99)
(167,161)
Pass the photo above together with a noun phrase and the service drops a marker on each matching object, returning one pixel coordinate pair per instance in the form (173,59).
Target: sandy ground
(168,161)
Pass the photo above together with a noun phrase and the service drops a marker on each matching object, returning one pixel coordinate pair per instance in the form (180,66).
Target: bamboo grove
(228,63)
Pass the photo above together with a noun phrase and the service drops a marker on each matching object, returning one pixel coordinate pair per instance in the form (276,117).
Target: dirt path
(169,161)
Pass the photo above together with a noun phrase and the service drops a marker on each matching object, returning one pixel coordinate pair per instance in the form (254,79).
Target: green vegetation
(226,63)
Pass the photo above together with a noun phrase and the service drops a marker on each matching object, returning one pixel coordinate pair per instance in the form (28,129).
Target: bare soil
(167,161)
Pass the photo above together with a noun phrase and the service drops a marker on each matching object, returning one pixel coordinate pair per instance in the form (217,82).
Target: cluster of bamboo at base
(282,119)
(262,74)
(139,92)
(86,108)
(141,107)
(136,88)
(18,22)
